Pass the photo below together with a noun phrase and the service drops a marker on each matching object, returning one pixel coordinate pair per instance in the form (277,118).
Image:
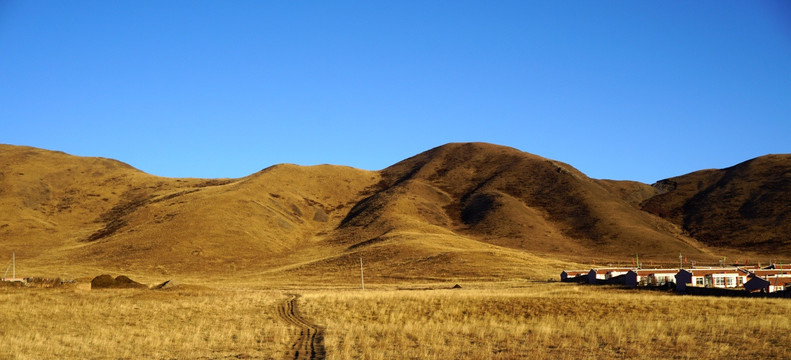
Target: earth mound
(120,282)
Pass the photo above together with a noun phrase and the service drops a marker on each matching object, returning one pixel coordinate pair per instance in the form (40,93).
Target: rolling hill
(467,210)
(746,206)
(511,199)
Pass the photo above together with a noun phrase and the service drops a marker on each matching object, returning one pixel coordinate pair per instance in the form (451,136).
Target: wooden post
(362,278)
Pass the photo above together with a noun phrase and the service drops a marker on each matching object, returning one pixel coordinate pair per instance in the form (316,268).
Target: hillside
(455,211)
(511,199)
(63,210)
(746,206)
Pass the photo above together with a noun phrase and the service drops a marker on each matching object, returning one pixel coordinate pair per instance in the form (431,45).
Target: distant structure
(722,280)
(574,275)
(12,267)
(650,277)
(603,275)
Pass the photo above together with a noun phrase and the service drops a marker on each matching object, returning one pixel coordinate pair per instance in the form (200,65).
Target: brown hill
(60,210)
(746,206)
(512,199)
(459,210)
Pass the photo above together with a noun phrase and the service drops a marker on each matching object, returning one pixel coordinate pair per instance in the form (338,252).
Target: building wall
(632,279)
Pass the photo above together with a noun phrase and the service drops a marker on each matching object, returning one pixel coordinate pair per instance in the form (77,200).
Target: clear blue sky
(618,89)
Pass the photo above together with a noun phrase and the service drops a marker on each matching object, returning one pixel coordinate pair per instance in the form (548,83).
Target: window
(719,281)
(731,282)
(699,281)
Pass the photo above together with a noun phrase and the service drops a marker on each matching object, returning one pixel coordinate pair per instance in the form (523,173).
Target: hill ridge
(493,208)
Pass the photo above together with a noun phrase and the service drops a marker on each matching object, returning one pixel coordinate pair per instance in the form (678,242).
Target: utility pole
(680,261)
(13,261)
(362,278)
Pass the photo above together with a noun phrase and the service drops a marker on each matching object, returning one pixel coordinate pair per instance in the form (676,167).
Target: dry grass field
(505,320)
(548,321)
(140,324)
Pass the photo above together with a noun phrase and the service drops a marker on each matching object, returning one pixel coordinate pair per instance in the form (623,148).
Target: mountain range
(461,210)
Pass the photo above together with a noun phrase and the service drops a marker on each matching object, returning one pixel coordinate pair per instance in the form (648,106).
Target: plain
(486,320)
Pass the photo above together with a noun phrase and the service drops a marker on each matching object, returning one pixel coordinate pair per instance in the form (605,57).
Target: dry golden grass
(504,320)
(135,324)
(547,321)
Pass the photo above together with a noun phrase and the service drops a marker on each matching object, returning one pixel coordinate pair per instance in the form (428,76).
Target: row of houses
(748,278)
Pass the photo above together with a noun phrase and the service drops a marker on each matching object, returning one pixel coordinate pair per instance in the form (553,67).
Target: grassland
(140,324)
(515,319)
(548,321)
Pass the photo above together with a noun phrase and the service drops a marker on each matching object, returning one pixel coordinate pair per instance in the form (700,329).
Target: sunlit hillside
(746,206)
(457,211)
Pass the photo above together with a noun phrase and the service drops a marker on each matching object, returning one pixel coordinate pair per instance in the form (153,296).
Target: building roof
(770,272)
(711,271)
(778,266)
(576,272)
(646,272)
(606,270)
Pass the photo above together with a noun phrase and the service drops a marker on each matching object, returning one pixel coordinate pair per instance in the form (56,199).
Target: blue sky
(618,89)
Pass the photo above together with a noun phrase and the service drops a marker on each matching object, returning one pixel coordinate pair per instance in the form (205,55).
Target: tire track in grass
(309,342)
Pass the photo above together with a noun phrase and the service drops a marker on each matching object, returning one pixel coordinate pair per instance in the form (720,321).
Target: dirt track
(309,342)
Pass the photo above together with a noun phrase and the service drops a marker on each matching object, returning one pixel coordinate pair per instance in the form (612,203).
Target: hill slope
(512,199)
(746,206)
(458,210)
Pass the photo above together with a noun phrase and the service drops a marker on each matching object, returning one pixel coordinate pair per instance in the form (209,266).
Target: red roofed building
(768,283)
(605,274)
(710,277)
(650,277)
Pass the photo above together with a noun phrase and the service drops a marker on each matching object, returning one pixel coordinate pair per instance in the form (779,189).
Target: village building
(751,279)
(757,284)
(769,284)
(710,277)
(769,280)
(573,275)
(768,272)
(725,280)
(650,277)
(748,267)
(694,277)
(779,283)
(602,274)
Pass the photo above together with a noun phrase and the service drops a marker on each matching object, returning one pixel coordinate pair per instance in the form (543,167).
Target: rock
(320,215)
